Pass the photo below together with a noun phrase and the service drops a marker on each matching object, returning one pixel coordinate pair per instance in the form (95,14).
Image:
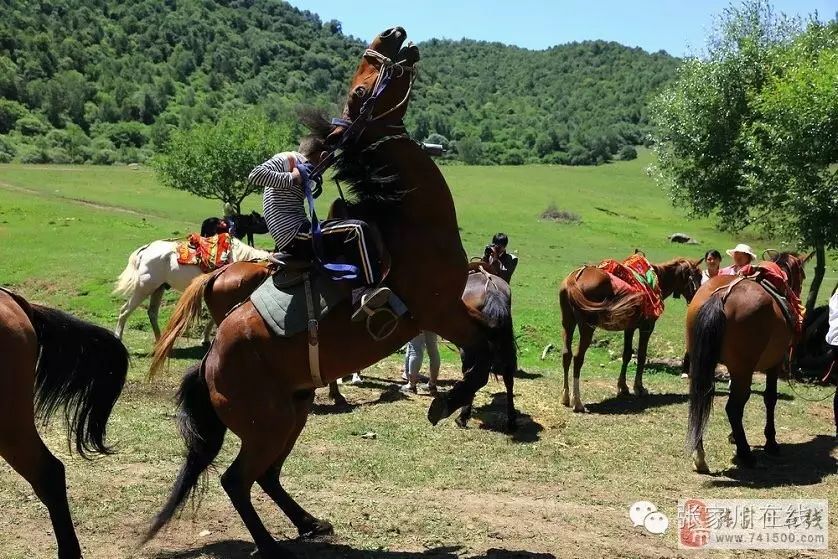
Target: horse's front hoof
(622,391)
(438,410)
(579,407)
(461,422)
(772,448)
(340,402)
(318,529)
(701,467)
(566,400)
(640,391)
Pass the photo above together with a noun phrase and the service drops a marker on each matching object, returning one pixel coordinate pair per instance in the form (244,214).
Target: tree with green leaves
(214,160)
(750,131)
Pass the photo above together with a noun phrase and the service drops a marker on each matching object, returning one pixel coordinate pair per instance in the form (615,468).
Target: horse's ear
(805,260)
(696,263)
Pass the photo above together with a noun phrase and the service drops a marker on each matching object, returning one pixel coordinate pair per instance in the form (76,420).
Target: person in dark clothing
(495,254)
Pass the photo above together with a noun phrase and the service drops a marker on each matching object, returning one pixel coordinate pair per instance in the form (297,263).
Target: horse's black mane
(785,258)
(373,184)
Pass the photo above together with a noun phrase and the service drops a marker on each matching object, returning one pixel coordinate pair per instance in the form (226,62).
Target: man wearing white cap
(742,256)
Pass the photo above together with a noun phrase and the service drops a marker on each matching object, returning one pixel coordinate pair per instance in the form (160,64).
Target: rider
(282,178)
(496,252)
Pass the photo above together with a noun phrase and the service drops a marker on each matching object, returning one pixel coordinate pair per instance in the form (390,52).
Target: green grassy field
(560,487)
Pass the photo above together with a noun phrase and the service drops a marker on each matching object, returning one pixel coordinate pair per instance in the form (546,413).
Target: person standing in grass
(832,341)
(742,255)
(413,362)
(713,259)
(496,253)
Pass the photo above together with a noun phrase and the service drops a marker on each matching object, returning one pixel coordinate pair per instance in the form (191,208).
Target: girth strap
(313,336)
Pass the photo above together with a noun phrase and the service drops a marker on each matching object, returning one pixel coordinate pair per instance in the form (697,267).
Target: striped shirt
(282,200)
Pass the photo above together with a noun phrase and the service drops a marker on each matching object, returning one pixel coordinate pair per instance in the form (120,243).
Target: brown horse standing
(259,386)
(744,328)
(587,300)
(55,360)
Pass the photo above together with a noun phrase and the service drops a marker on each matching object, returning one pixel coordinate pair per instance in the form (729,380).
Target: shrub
(59,155)
(552,213)
(627,153)
(31,126)
(33,154)
(103,157)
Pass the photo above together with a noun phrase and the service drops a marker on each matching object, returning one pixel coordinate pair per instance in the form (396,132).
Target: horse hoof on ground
(730,439)
(622,391)
(640,391)
(772,448)
(701,468)
(318,529)
(461,423)
(580,408)
(340,402)
(438,410)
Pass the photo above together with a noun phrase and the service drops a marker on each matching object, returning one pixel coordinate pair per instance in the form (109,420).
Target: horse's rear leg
(129,307)
(642,349)
(335,395)
(628,340)
(27,455)
(586,334)
(740,392)
(568,326)
(154,310)
(306,524)
(511,414)
(770,399)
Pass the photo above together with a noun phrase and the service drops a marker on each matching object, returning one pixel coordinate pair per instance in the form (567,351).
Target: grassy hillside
(66,233)
(105,81)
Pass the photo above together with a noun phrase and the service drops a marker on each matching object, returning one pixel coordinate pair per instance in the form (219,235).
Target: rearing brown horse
(259,386)
(58,361)
(587,299)
(737,323)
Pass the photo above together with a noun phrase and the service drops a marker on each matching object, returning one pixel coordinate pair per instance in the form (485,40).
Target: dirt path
(79,201)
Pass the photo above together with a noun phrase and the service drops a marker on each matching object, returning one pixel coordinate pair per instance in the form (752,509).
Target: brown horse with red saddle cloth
(260,385)
(619,296)
(748,322)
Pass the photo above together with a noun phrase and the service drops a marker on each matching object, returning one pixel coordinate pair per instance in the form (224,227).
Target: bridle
(387,70)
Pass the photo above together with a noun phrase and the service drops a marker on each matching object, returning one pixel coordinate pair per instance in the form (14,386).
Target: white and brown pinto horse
(153,268)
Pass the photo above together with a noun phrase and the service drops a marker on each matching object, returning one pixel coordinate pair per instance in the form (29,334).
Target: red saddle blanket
(776,278)
(636,275)
(210,253)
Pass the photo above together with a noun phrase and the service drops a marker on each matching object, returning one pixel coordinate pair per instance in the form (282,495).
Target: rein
(388,70)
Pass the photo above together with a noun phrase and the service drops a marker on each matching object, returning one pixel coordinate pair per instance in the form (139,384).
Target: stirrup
(370,304)
(387,328)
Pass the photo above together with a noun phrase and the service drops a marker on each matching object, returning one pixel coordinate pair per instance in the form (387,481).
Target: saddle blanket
(636,275)
(209,253)
(284,305)
(774,280)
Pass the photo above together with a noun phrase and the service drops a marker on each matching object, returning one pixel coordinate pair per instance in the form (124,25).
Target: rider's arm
(274,173)
(832,334)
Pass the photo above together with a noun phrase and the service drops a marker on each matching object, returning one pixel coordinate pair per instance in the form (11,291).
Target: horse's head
(686,278)
(380,88)
(793,265)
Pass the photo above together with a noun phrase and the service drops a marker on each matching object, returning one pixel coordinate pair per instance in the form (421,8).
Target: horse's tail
(130,276)
(187,311)
(707,336)
(609,313)
(81,367)
(496,313)
(203,432)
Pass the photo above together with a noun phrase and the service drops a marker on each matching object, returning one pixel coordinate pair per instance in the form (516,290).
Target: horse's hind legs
(335,395)
(642,348)
(511,414)
(586,334)
(735,408)
(306,524)
(622,387)
(568,326)
(154,310)
(770,399)
(45,473)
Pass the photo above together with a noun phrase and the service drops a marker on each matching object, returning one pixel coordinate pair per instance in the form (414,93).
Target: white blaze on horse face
(639,510)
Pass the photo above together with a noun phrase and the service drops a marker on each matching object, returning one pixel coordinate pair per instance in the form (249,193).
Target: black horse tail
(707,336)
(81,367)
(203,432)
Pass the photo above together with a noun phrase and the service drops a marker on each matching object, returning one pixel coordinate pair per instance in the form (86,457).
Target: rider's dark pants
(345,241)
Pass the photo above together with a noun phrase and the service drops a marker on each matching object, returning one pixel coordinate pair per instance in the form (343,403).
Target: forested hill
(107,81)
